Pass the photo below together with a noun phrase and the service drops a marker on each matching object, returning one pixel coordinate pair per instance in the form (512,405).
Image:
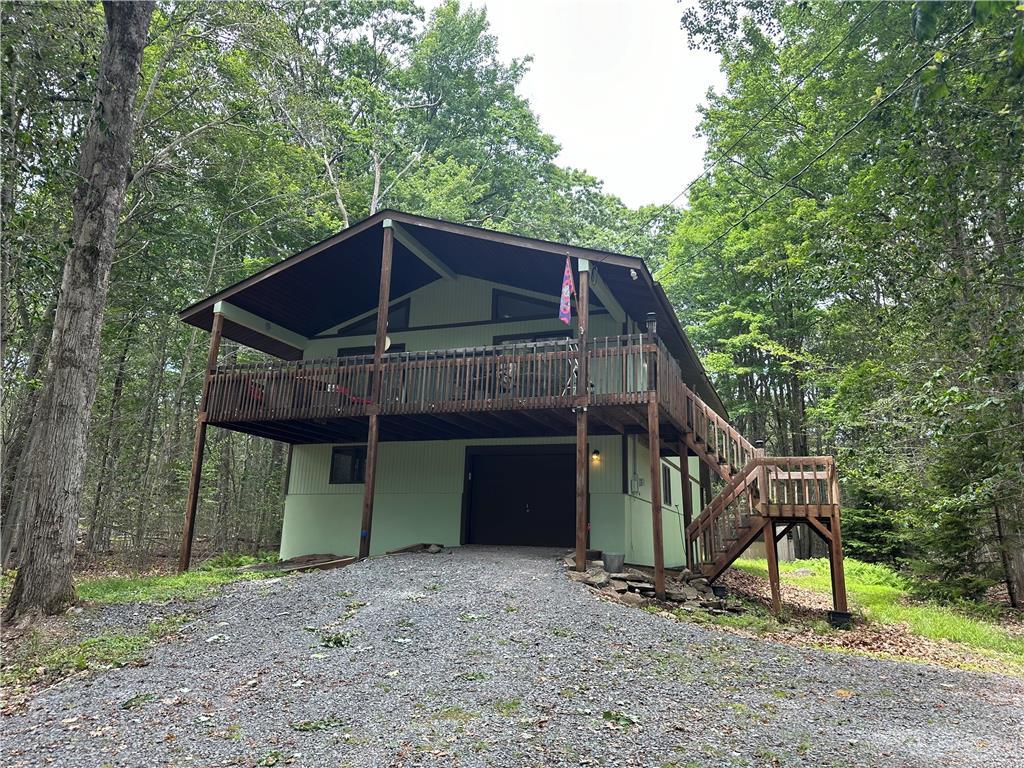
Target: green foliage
(885,596)
(187,586)
(40,659)
(875,535)
(237,560)
(871,308)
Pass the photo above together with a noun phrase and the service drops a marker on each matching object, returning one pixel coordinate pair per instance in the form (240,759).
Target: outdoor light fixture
(595,457)
(632,273)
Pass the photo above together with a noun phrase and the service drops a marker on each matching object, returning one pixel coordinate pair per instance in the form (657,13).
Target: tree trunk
(54,489)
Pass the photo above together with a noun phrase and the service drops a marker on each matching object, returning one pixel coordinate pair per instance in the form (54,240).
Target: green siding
(420,484)
(419,499)
(464,300)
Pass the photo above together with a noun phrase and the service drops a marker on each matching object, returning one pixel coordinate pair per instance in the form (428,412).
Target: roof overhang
(339,278)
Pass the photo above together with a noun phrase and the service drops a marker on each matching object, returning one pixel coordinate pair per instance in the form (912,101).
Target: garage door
(522,498)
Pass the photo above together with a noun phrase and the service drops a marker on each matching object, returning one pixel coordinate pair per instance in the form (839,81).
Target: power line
(725,153)
(835,142)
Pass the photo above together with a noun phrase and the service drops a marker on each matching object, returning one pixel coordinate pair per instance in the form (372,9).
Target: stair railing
(782,487)
(719,438)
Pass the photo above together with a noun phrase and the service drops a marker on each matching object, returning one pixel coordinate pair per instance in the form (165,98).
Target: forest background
(849,265)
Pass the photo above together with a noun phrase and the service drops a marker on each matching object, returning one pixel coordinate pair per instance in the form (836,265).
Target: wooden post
(772,556)
(582,403)
(370,476)
(684,470)
(192,504)
(653,436)
(835,560)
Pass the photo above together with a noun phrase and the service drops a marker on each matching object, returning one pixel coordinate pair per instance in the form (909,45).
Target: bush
(875,535)
(237,560)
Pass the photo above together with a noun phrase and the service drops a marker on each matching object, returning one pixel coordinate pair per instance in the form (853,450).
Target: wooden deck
(505,390)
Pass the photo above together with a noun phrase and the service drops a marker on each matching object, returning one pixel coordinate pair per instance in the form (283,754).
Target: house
(429,392)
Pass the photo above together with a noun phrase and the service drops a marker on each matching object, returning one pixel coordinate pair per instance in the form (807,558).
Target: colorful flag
(568,290)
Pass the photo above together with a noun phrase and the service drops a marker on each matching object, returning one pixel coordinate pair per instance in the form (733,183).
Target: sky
(614,82)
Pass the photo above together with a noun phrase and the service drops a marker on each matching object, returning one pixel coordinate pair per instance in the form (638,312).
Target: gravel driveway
(493,657)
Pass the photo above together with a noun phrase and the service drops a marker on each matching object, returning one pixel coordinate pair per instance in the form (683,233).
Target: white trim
(259,324)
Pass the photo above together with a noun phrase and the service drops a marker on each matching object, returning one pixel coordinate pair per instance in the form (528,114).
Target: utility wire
(773,108)
(835,142)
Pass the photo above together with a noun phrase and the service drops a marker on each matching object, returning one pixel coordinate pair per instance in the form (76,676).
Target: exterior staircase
(762,497)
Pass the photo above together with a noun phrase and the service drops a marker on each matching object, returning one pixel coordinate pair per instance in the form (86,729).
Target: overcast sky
(614,82)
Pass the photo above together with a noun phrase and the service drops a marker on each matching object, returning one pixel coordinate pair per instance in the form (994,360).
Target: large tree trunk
(58,447)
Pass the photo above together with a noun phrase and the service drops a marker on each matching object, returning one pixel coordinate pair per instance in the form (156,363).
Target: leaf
(1017,52)
(924,20)
(983,10)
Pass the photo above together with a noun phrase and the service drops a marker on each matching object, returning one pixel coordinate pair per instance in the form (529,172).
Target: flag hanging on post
(568,291)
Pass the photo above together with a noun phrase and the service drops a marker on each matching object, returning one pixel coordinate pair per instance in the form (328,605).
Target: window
(348,465)
(666,484)
(515,306)
(512,306)
(398,320)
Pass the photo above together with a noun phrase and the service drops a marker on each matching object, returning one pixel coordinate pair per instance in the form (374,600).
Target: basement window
(666,484)
(348,465)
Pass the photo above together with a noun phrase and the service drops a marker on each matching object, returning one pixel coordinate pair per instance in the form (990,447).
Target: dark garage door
(523,498)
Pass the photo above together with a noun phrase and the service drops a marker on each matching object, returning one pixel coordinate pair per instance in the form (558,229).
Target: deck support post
(840,616)
(684,471)
(582,403)
(654,439)
(198,447)
(835,561)
(771,554)
(370,472)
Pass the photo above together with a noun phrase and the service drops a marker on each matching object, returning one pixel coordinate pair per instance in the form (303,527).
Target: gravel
(484,656)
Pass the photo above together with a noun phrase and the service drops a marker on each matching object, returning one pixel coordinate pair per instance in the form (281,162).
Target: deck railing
(503,377)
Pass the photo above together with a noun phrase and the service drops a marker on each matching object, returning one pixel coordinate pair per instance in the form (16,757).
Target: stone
(699,582)
(675,596)
(577,575)
(617,584)
(621,576)
(569,561)
(637,586)
(595,579)
(712,605)
(631,598)
(691,593)
(434,548)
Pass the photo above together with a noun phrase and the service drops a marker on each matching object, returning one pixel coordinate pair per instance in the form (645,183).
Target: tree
(57,448)
(867,302)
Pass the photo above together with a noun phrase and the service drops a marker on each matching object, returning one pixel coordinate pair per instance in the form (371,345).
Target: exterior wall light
(595,457)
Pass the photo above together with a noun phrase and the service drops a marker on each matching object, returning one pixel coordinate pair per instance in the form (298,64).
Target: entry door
(526,499)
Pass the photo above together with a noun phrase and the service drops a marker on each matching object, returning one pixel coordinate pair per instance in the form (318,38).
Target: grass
(507,707)
(44,655)
(883,596)
(39,660)
(162,588)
